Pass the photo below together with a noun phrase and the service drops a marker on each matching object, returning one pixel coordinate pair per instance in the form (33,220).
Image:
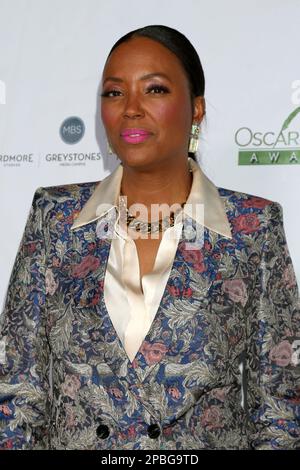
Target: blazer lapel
(186,295)
(89,261)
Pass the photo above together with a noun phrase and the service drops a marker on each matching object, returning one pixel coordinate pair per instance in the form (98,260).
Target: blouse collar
(203,194)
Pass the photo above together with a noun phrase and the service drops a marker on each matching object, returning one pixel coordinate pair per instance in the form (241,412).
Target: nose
(133,107)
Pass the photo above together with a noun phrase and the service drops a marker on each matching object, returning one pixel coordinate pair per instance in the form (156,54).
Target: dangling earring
(193,144)
(110,150)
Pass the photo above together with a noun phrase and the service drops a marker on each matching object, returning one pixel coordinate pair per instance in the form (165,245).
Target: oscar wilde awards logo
(71,132)
(271,147)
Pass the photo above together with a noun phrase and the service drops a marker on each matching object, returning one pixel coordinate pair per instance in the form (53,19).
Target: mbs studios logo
(272,148)
(72,130)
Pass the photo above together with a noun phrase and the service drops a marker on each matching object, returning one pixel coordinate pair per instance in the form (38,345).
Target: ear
(199,109)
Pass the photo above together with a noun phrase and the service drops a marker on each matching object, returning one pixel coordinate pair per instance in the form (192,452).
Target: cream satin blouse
(133,302)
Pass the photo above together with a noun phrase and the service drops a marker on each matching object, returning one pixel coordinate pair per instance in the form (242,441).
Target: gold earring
(193,144)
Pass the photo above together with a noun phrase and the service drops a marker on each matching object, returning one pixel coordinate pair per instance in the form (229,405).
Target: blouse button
(102,431)
(153,431)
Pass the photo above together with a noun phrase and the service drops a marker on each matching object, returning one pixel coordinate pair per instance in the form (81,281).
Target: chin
(135,159)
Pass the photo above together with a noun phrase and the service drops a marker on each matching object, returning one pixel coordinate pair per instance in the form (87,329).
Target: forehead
(143,55)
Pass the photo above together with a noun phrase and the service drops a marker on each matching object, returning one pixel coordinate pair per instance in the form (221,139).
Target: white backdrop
(51,58)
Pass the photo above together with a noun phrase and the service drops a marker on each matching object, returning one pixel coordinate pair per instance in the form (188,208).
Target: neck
(168,183)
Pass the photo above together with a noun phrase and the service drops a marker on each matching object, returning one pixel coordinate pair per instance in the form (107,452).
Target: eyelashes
(161,89)
(158,90)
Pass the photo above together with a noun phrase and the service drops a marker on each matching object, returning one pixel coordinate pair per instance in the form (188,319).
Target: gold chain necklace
(151,227)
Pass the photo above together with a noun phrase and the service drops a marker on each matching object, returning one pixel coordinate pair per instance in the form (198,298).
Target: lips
(134,131)
(135,135)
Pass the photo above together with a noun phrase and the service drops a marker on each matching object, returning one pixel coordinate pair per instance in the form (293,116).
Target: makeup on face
(135,135)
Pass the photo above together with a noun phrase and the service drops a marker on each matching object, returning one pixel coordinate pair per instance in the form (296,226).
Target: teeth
(135,135)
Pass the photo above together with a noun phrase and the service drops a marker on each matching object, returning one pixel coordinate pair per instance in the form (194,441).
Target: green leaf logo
(290,118)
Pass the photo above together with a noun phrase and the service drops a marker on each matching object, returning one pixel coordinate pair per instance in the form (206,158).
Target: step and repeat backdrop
(51,59)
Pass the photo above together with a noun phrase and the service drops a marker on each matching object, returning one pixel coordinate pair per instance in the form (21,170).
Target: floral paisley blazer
(66,381)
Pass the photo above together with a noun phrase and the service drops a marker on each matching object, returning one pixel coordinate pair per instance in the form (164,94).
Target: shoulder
(237,200)
(75,193)
(71,191)
(248,213)
(62,202)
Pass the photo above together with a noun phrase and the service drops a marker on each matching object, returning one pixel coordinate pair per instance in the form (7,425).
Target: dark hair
(177,43)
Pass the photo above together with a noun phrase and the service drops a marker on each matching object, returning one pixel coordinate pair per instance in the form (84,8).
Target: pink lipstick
(135,135)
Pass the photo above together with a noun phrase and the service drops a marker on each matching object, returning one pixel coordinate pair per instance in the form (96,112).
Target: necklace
(151,227)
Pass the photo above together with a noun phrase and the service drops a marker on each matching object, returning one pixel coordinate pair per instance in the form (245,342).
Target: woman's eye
(110,93)
(152,89)
(157,89)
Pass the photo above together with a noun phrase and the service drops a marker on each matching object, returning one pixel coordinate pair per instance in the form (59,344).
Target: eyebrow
(144,77)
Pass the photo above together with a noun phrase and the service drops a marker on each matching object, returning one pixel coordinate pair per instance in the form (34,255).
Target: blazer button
(153,431)
(102,431)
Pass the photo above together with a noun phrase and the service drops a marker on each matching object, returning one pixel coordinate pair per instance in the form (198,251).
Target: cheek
(109,117)
(174,114)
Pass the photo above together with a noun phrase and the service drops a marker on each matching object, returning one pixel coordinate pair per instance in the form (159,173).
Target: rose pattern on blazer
(66,381)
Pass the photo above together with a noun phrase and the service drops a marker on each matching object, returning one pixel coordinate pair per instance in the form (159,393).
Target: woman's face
(146,106)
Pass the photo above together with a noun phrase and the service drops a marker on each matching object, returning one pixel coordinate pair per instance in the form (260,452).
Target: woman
(120,332)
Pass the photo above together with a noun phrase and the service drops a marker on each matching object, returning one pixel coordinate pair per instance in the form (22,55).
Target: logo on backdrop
(72,130)
(16,159)
(272,148)
(72,159)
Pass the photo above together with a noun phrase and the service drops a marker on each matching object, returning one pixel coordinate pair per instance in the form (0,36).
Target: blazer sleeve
(273,345)
(24,351)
